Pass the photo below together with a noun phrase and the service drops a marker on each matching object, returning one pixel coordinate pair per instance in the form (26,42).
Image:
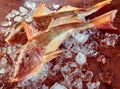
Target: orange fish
(43,18)
(42,47)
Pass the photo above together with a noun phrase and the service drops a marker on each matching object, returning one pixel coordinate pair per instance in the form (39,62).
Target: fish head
(17,35)
(27,62)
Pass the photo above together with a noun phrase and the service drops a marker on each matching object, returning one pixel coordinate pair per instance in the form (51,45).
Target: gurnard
(44,19)
(43,46)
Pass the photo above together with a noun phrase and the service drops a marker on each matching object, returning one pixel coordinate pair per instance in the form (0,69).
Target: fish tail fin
(39,10)
(102,4)
(50,56)
(105,21)
(29,30)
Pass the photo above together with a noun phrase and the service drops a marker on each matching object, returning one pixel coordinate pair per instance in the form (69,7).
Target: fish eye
(27,56)
(22,30)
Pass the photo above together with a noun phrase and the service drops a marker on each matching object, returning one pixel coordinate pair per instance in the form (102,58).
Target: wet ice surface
(58,86)
(110,39)
(69,68)
(17,15)
(64,72)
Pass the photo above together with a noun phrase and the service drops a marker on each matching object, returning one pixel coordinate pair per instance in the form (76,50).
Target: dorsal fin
(39,10)
(67,8)
(29,30)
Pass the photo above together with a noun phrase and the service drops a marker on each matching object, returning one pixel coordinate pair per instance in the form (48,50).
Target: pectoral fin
(56,42)
(52,55)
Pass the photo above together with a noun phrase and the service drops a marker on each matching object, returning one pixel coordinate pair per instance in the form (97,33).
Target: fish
(43,47)
(44,19)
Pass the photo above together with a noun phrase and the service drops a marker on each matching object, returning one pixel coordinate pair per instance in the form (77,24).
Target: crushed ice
(110,39)
(77,44)
(58,86)
(56,6)
(18,19)
(94,85)
(7,23)
(30,5)
(80,58)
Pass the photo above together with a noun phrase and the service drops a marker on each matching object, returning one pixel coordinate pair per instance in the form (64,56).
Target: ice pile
(25,11)
(30,4)
(69,68)
(78,44)
(93,85)
(12,14)
(3,62)
(35,79)
(110,39)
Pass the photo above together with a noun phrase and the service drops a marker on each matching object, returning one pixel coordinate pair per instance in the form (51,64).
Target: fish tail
(105,21)
(102,4)
(96,7)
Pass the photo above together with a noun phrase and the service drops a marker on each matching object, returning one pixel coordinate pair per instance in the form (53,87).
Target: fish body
(42,47)
(43,19)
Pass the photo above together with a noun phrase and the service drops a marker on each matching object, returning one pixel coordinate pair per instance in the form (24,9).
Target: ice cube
(110,39)
(44,87)
(12,14)
(90,85)
(15,12)
(18,19)
(2,70)
(88,75)
(81,38)
(28,19)
(30,5)
(23,11)
(58,86)
(56,6)
(72,64)
(66,68)
(3,61)
(90,48)
(93,85)
(68,54)
(56,67)
(80,58)
(78,83)
(9,49)
(97,84)
(75,49)
(69,42)
(78,72)
(6,23)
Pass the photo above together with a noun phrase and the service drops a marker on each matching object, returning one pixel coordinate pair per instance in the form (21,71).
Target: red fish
(43,18)
(42,47)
